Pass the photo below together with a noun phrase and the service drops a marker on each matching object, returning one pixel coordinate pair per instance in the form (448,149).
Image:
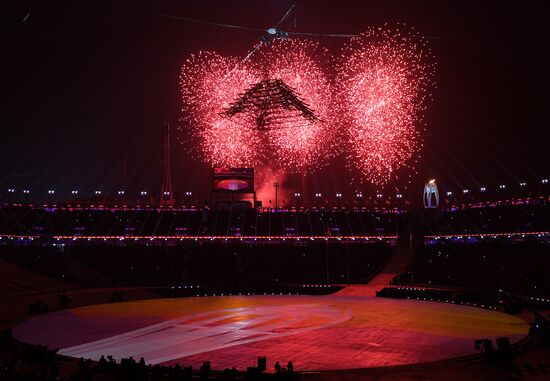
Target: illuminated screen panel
(233,180)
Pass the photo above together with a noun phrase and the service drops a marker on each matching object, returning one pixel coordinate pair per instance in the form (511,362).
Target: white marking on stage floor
(175,338)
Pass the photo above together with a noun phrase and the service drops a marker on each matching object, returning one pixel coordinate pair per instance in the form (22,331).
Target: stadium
(275,190)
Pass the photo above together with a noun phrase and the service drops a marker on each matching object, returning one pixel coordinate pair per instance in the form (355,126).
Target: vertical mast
(166,194)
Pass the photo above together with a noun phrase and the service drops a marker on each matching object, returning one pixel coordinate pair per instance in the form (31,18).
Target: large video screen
(233,180)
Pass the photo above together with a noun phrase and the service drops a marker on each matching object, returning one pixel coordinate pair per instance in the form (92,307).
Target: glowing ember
(384,78)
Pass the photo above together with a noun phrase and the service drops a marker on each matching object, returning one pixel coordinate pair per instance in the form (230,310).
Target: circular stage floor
(315,332)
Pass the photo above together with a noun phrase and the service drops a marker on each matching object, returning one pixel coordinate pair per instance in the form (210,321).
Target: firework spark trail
(384,78)
(209,82)
(301,145)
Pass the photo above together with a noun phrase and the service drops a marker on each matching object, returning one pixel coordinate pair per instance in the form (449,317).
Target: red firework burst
(278,108)
(209,82)
(384,78)
(301,144)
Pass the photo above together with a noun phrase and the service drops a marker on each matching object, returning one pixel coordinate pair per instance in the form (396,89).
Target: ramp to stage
(395,266)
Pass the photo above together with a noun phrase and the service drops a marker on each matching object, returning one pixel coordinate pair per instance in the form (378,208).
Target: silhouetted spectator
(102,365)
(205,370)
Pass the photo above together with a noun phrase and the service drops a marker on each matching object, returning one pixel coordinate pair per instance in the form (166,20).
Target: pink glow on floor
(315,332)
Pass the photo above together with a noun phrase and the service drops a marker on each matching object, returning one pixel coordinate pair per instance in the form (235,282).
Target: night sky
(87,84)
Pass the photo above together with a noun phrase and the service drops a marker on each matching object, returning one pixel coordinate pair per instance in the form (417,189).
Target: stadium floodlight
(483,189)
(338,195)
(449,193)
(544,181)
(51,191)
(98,192)
(318,195)
(502,186)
